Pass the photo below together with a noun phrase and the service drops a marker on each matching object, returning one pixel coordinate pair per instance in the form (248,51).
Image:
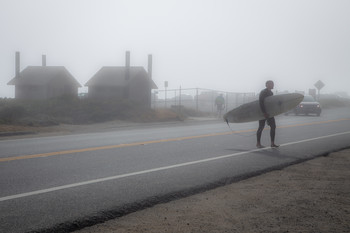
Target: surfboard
(275,105)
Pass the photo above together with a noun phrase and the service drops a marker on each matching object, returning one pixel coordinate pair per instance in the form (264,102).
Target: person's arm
(262,97)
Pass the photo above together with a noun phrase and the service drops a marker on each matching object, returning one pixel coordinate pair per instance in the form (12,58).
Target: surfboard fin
(228,124)
(226,121)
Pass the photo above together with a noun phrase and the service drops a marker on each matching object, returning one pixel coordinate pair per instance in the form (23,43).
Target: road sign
(312,92)
(319,84)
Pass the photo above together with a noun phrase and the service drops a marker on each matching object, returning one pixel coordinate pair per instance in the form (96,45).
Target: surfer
(270,120)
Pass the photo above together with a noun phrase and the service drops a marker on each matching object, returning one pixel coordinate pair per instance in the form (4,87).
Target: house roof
(41,75)
(115,76)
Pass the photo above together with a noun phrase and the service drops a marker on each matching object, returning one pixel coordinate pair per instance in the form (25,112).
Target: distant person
(219,103)
(270,120)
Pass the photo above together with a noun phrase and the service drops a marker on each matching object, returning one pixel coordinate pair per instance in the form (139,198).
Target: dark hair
(268,81)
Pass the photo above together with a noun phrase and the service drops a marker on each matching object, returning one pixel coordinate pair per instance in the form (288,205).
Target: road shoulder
(313,196)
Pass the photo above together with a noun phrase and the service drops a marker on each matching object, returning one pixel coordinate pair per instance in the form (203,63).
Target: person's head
(269,84)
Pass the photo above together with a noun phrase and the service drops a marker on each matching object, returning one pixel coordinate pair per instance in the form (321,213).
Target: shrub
(334,102)
(72,110)
(11,113)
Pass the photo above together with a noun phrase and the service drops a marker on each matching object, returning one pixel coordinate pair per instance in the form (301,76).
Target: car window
(308,98)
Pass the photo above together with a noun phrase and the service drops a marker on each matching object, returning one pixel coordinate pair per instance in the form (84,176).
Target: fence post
(165,98)
(180,100)
(226,102)
(197,99)
(180,96)
(236,99)
(212,101)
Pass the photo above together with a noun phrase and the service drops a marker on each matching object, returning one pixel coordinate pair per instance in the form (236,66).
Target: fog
(218,44)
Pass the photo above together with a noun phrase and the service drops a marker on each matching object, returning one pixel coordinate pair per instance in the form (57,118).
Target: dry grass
(166,114)
(159,115)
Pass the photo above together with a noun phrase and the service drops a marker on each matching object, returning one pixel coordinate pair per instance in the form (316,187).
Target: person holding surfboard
(270,120)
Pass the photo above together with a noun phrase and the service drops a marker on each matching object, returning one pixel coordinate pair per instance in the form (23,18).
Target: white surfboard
(275,105)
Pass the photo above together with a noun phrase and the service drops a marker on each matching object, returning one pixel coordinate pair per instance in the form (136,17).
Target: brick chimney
(17,64)
(150,66)
(127,65)
(43,58)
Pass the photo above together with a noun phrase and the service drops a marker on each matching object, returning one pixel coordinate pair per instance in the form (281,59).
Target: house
(123,82)
(43,82)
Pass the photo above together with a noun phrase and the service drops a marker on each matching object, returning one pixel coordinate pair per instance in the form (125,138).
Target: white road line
(155,169)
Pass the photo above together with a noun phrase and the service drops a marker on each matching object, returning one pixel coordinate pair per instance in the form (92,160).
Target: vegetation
(334,102)
(72,110)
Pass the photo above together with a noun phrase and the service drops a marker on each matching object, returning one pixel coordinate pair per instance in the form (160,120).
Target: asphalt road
(67,182)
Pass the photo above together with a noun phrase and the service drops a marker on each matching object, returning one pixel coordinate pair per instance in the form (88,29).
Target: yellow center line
(149,142)
(314,123)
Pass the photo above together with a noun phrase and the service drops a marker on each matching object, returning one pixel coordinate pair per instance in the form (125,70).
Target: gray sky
(218,44)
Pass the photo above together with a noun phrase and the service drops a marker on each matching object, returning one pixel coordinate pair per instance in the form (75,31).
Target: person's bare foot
(274,145)
(259,145)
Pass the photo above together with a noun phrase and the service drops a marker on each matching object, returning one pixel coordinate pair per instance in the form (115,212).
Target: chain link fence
(199,99)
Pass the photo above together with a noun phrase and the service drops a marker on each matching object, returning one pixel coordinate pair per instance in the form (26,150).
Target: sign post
(319,85)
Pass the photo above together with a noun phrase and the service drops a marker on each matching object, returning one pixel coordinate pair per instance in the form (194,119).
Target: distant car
(308,106)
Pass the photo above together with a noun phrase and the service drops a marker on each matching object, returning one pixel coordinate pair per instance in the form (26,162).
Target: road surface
(67,182)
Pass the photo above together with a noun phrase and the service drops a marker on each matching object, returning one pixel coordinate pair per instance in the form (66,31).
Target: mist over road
(81,179)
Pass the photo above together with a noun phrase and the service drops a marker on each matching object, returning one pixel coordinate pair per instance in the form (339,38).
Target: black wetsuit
(270,121)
